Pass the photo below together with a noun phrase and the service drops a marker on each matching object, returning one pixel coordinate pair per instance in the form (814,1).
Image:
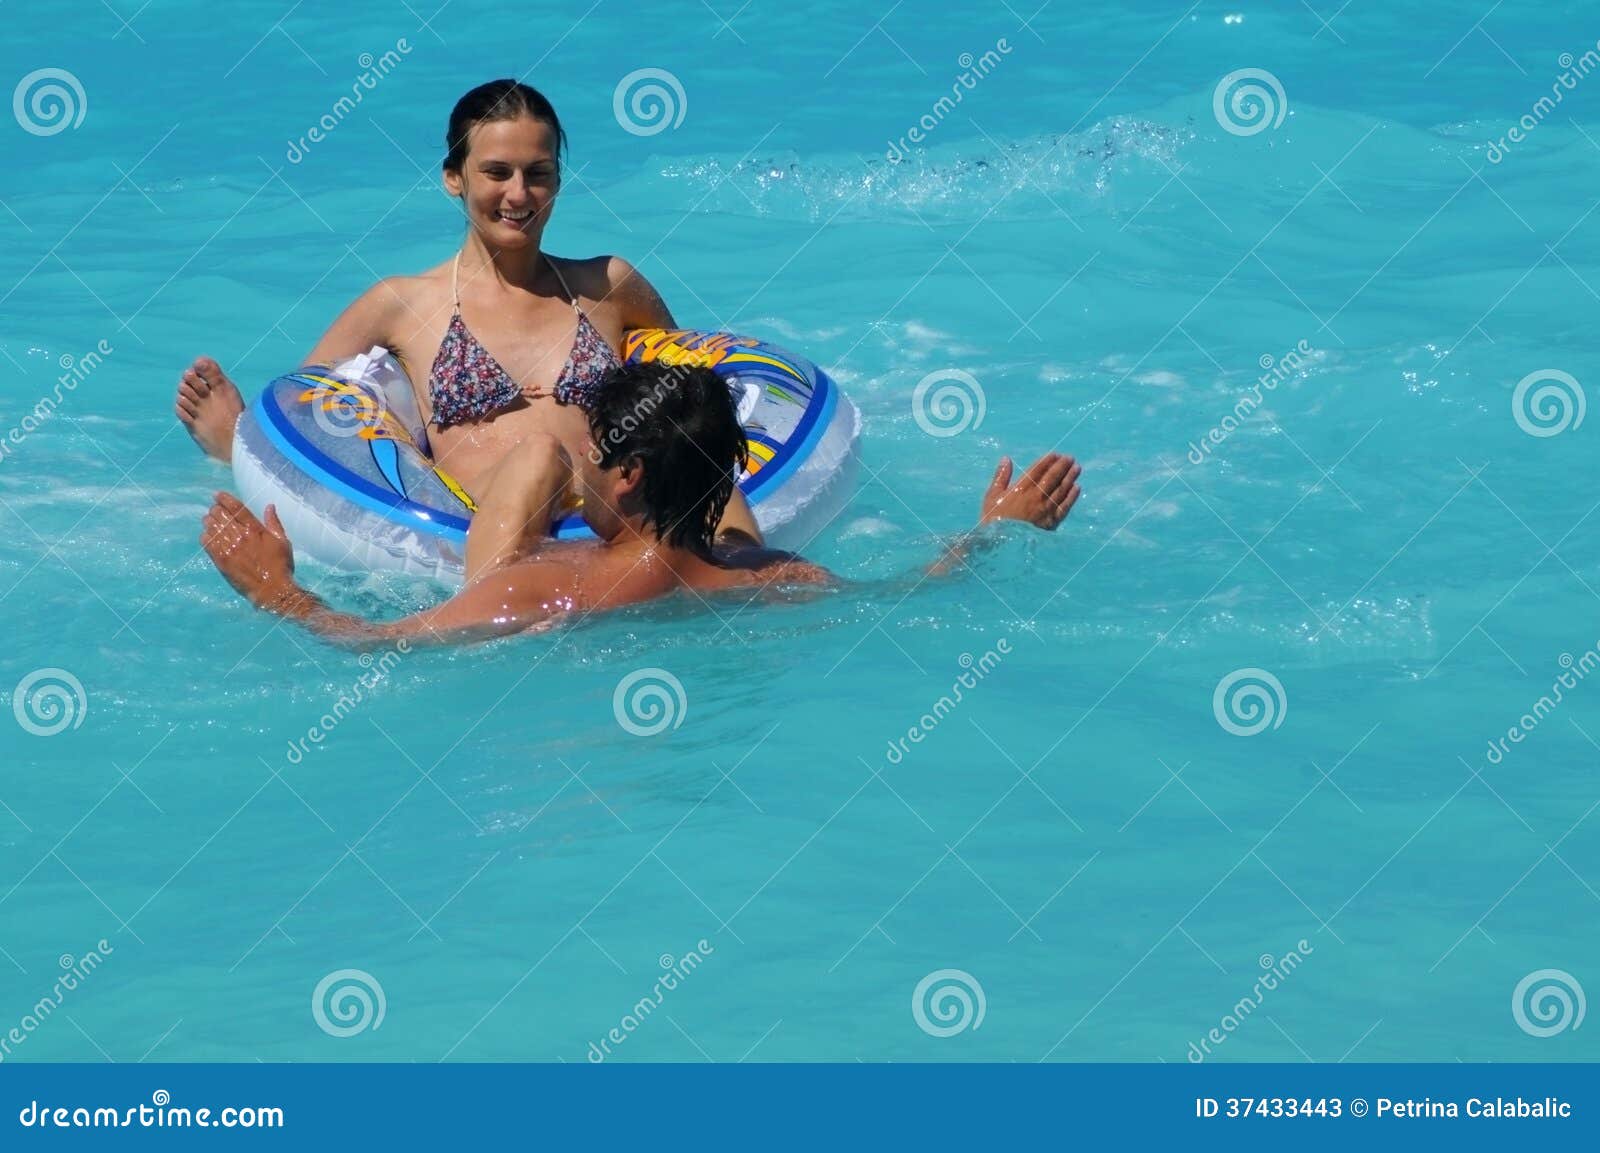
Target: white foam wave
(1034,175)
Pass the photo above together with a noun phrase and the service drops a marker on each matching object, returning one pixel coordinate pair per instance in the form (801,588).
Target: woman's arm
(637,300)
(371,319)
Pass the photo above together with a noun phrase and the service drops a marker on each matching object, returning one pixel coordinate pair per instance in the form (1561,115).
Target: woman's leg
(520,498)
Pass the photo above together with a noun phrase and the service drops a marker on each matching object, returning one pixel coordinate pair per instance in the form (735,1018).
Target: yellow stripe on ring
(756,358)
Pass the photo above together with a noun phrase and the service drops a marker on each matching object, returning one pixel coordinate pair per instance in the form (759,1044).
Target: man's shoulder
(763,565)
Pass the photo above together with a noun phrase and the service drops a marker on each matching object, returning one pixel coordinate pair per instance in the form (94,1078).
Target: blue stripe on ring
(346,484)
(808,432)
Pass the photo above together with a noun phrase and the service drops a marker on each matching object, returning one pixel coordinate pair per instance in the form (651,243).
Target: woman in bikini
(555,326)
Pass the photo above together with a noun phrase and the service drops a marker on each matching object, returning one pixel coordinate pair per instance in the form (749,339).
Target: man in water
(653,491)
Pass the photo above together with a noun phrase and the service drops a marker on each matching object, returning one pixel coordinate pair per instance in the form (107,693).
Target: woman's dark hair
(680,421)
(497,100)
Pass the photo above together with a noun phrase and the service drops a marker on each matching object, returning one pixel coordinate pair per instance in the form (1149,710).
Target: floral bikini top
(466,383)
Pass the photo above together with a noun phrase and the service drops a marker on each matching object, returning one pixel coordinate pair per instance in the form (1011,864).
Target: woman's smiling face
(509,181)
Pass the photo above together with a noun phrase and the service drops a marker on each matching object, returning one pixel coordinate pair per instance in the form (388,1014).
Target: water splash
(1015,179)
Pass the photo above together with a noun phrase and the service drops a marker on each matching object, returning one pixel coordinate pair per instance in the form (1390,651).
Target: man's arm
(1042,497)
(258,561)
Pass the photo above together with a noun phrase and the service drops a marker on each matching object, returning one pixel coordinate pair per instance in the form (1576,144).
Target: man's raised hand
(1042,497)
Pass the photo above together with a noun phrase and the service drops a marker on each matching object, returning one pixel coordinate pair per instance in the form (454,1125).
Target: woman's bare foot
(209,405)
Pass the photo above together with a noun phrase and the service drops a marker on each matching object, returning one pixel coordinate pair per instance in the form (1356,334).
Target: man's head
(666,447)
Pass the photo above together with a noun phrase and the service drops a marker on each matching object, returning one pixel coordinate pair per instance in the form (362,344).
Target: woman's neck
(520,268)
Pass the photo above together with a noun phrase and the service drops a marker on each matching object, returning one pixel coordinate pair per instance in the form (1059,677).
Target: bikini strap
(455,281)
(570,295)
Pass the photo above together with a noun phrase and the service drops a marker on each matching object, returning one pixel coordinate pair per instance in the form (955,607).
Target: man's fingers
(1046,466)
(274,525)
(1068,483)
(1036,470)
(1060,468)
(1002,476)
(1048,474)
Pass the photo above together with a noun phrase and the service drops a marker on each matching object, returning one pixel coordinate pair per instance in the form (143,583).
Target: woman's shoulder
(597,275)
(408,289)
(613,280)
(397,297)
(397,291)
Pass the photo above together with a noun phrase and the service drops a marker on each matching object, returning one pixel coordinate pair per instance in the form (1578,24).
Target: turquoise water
(481,836)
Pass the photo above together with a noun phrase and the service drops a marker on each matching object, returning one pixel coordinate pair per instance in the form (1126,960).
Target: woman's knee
(536,455)
(540,449)
(533,469)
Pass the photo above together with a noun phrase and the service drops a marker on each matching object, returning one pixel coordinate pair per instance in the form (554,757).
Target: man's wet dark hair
(497,100)
(681,422)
